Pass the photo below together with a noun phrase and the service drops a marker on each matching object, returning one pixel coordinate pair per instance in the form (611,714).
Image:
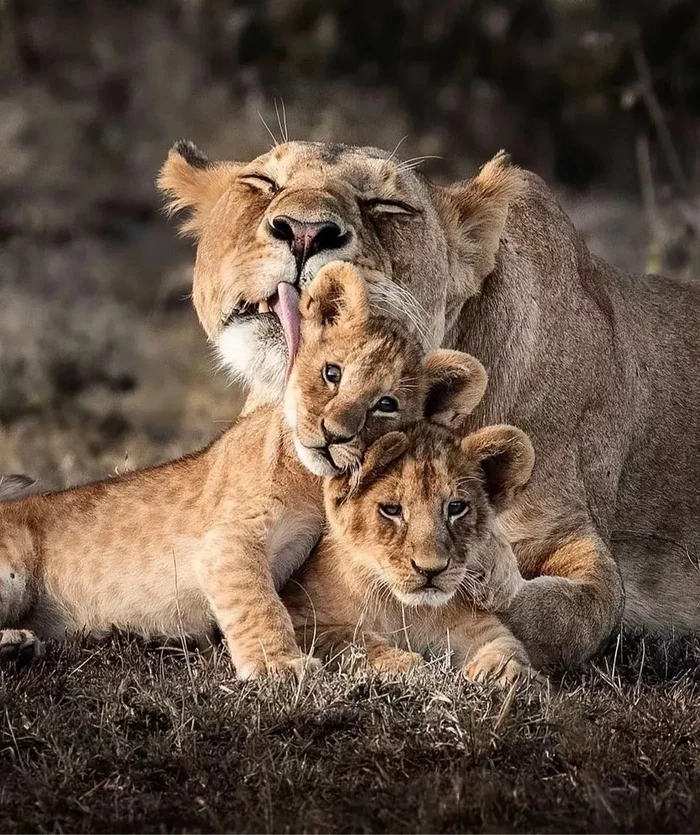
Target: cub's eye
(332,373)
(390,511)
(456,509)
(261,183)
(387,405)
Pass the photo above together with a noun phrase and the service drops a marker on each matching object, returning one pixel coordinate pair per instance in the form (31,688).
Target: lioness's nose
(306,238)
(429,571)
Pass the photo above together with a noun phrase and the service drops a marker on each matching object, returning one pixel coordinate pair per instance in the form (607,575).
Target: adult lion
(600,368)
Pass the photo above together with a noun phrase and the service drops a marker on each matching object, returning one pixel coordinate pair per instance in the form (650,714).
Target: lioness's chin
(314,462)
(424,597)
(255,353)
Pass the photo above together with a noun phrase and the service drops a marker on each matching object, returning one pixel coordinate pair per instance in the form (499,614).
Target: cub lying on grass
(414,555)
(209,538)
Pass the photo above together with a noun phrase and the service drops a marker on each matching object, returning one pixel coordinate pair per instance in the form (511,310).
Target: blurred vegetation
(557,81)
(602,98)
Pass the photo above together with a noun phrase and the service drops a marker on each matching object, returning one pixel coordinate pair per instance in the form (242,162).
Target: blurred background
(102,363)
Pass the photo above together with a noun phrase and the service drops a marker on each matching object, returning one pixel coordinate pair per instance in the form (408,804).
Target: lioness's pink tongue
(286,306)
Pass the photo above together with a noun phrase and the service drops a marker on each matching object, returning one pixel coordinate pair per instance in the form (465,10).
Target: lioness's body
(602,369)
(170,550)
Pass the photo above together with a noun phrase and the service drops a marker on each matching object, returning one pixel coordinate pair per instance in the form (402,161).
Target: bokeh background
(102,363)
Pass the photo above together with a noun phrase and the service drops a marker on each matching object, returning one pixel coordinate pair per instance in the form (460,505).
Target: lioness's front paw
(503,666)
(20,645)
(293,664)
(393,660)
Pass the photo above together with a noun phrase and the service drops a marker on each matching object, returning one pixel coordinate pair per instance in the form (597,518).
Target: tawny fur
(171,550)
(600,368)
(365,583)
(208,539)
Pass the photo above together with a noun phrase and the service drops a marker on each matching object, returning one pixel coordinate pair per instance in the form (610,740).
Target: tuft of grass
(123,736)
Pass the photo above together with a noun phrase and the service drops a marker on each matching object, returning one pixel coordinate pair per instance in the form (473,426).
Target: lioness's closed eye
(414,554)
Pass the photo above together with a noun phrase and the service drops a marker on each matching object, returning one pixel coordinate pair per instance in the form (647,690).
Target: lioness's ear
(456,384)
(478,209)
(337,295)
(190,180)
(15,486)
(506,458)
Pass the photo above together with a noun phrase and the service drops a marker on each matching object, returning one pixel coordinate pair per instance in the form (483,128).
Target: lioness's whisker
(391,298)
(267,128)
(396,148)
(282,122)
(414,162)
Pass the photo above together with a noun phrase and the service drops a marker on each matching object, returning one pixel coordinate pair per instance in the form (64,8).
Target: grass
(123,736)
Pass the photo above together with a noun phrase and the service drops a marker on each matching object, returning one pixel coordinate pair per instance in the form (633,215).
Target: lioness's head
(418,519)
(277,220)
(358,375)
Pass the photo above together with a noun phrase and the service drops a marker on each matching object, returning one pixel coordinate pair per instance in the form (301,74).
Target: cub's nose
(332,435)
(429,571)
(306,238)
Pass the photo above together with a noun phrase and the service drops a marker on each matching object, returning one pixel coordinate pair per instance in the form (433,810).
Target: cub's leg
(566,615)
(387,658)
(332,642)
(492,652)
(15,599)
(257,627)
(328,619)
(20,645)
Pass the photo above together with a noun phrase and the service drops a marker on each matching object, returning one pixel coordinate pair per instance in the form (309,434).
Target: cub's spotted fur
(414,558)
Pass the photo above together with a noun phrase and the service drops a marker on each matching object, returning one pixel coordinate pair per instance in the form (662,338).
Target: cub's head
(275,221)
(358,376)
(418,519)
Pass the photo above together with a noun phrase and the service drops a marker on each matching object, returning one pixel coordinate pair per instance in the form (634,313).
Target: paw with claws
(20,645)
(394,661)
(502,665)
(293,665)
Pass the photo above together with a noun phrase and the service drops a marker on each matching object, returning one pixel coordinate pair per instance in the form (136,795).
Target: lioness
(600,368)
(209,538)
(413,554)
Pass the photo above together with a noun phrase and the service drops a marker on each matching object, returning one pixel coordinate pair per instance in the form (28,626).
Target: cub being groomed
(209,538)
(414,559)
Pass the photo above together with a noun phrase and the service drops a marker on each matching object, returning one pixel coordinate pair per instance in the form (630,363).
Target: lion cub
(414,558)
(209,538)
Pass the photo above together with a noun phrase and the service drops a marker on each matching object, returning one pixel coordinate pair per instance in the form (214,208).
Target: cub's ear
(456,382)
(377,458)
(506,458)
(476,211)
(15,486)
(190,180)
(338,295)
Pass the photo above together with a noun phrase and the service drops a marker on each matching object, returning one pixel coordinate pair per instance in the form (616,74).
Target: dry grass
(122,737)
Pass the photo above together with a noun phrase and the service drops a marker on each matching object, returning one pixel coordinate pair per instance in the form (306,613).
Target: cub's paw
(20,645)
(500,665)
(394,661)
(292,664)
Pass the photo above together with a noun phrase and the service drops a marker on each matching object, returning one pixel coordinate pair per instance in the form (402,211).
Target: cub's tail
(15,486)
